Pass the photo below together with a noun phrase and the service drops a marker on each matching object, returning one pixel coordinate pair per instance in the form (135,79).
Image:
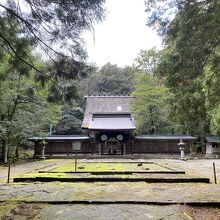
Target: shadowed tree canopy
(53,25)
(71,120)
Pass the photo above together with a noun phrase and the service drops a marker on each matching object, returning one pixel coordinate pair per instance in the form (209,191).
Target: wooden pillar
(35,149)
(131,147)
(124,149)
(100,149)
(190,147)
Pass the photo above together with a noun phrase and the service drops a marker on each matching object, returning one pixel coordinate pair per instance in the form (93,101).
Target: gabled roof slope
(113,122)
(105,104)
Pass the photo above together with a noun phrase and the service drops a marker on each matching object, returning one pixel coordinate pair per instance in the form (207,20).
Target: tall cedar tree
(190,30)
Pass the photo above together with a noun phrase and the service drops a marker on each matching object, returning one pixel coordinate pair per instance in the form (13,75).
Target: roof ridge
(108,96)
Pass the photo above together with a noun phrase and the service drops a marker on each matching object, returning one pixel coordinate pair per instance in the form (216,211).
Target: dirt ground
(12,211)
(203,213)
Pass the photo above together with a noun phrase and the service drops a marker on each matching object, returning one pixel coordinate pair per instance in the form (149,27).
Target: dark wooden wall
(65,148)
(158,146)
(132,147)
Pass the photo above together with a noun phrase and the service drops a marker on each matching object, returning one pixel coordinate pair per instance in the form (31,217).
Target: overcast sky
(122,35)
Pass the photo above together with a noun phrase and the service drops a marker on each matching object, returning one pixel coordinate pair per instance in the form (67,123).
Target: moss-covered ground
(20,211)
(6,207)
(106,166)
(36,174)
(83,169)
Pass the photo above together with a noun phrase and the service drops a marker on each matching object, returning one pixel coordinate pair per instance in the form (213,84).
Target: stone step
(115,179)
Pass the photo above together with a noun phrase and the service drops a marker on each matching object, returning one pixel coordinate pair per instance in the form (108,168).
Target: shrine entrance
(113,143)
(112,147)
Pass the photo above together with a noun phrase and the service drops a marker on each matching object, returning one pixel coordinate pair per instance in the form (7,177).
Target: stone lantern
(43,149)
(181,145)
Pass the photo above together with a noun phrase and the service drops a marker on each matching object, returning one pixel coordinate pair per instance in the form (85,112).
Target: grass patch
(103,166)
(35,174)
(89,170)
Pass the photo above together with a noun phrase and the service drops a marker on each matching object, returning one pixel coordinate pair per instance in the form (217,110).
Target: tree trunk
(4,151)
(17,153)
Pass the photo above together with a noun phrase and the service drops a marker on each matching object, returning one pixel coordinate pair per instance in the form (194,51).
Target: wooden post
(76,162)
(124,149)
(215,179)
(100,148)
(43,152)
(9,171)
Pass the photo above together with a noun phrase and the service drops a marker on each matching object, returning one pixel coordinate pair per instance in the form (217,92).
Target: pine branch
(17,55)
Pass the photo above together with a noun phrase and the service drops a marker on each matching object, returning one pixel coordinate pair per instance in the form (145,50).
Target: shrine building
(110,130)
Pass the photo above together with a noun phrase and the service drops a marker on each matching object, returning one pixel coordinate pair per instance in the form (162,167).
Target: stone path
(32,167)
(200,167)
(116,212)
(102,191)
(110,192)
(38,211)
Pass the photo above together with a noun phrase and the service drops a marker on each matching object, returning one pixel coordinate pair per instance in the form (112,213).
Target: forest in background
(44,74)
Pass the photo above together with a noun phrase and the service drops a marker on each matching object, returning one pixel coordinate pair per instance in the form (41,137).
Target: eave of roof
(112,129)
(59,138)
(112,123)
(110,113)
(212,139)
(109,96)
(165,137)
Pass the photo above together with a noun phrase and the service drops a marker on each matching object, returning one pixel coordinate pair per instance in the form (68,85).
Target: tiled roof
(105,104)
